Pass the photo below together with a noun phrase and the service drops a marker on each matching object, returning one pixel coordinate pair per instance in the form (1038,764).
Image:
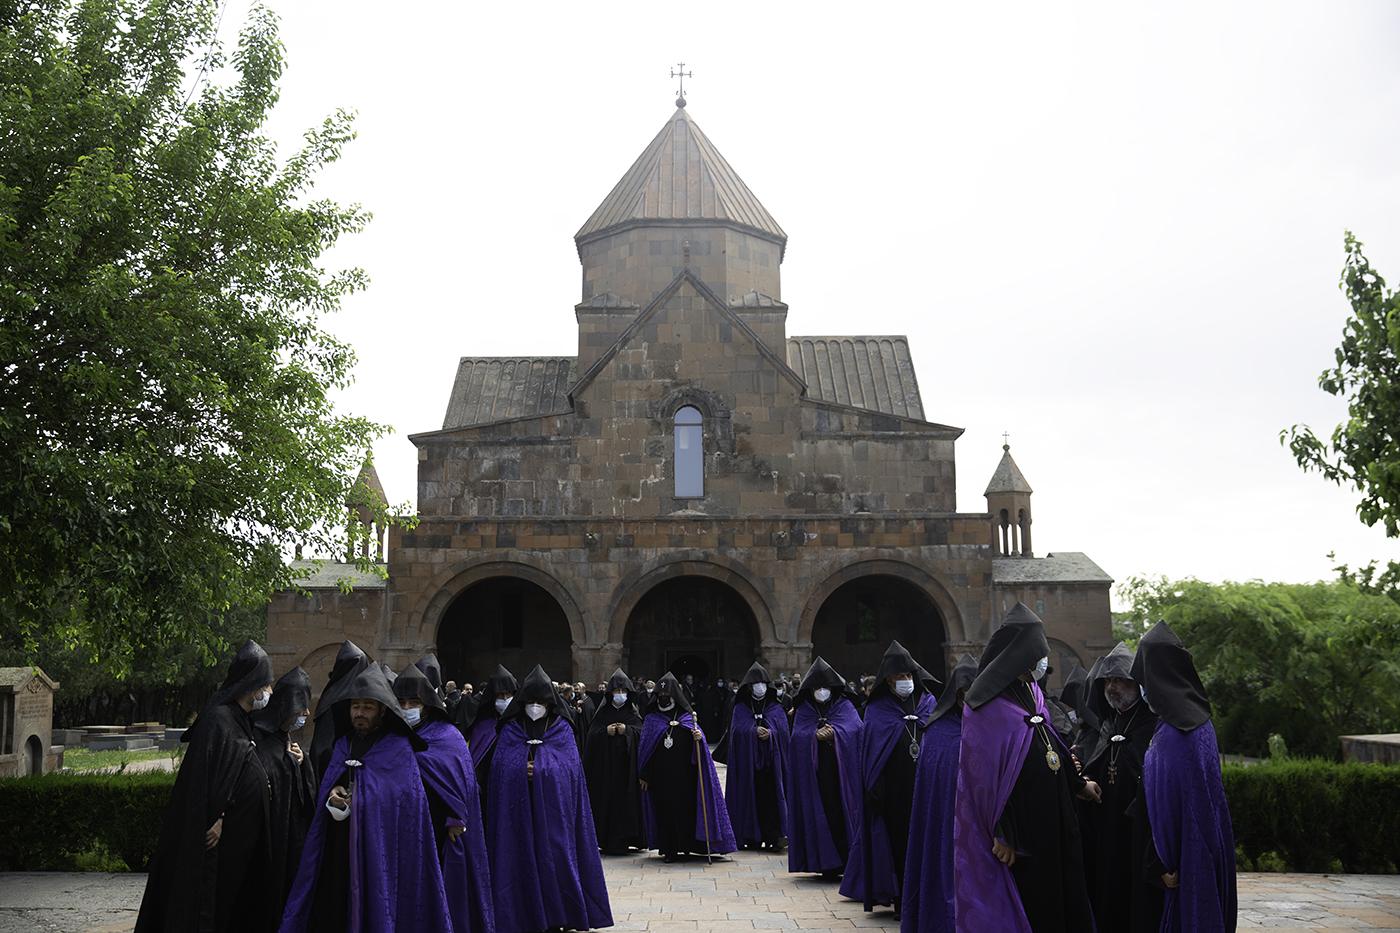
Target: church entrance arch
(857,622)
(504,620)
(690,625)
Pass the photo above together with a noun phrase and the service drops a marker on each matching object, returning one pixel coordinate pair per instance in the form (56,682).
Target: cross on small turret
(1005,440)
(680,72)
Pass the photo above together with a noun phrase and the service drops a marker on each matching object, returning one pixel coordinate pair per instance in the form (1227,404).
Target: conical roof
(681,176)
(369,478)
(1007,477)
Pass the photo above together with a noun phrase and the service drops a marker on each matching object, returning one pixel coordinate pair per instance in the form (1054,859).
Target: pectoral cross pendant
(668,743)
(1113,774)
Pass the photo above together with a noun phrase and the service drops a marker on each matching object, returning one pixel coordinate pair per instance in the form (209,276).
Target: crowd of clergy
(976,805)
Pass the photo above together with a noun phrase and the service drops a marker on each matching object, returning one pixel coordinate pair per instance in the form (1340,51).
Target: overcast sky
(1115,233)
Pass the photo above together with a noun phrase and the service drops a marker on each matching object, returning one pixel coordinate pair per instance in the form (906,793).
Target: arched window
(690,454)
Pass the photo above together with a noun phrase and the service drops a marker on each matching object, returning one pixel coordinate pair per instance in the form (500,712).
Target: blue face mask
(300,721)
(619,698)
(411,716)
(904,687)
(1041,668)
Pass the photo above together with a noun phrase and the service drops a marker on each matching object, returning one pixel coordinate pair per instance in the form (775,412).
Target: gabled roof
(1060,567)
(327,574)
(681,176)
(491,389)
(1007,477)
(874,373)
(11,678)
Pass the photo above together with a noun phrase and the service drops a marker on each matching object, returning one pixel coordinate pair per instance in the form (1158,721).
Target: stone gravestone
(26,722)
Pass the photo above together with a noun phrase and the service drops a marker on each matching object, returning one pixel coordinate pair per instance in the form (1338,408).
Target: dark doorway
(857,623)
(691,625)
(504,620)
(34,756)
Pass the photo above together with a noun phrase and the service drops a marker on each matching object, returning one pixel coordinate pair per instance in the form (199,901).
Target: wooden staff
(701,778)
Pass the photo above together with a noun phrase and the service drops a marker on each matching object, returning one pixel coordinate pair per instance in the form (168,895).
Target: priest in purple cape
(683,811)
(370,864)
(331,719)
(889,753)
(545,869)
(824,787)
(1116,840)
(756,779)
(928,864)
(495,696)
(1017,854)
(208,870)
(1194,843)
(454,804)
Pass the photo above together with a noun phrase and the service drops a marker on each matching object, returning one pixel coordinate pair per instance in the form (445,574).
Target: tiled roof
(1060,567)
(327,574)
(491,389)
(1007,477)
(865,372)
(681,176)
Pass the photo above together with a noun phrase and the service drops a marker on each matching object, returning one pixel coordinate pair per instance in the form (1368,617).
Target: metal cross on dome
(680,72)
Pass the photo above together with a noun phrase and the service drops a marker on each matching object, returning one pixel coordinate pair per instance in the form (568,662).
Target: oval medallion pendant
(1052,758)
(668,742)
(914,750)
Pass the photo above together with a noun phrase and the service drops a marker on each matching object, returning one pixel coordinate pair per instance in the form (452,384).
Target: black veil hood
(290,695)
(1014,649)
(669,686)
(537,688)
(896,659)
(1164,669)
(607,714)
(1075,691)
(959,680)
(619,681)
(821,674)
(1117,663)
(371,684)
(757,674)
(251,668)
(413,684)
(431,668)
(349,662)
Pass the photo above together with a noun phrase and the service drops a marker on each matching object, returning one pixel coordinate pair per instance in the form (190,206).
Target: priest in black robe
(331,720)
(610,765)
(291,779)
(209,869)
(1115,840)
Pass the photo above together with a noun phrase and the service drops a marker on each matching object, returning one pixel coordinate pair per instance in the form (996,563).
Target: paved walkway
(748,892)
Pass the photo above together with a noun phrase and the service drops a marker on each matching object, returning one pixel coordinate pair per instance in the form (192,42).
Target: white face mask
(760,691)
(821,694)
(535,711)
(411,716)
(501,704)
(262,699)
(1041,667)
(781,690)
(619,699)
(904,687)
(300,721)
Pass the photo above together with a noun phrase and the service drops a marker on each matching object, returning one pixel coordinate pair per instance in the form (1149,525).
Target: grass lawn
(82,759)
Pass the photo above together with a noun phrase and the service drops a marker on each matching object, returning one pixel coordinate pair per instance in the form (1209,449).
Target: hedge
(1301,815)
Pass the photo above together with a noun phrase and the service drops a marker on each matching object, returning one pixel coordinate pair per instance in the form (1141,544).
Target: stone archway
(1063,659)
(690,625)
(504,619)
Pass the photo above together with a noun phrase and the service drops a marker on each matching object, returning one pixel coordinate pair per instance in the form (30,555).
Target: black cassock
(291,785)
(330,912)
(671,775)
(223,888)
(610,765)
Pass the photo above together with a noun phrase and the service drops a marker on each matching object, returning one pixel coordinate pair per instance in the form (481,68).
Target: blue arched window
(690,454)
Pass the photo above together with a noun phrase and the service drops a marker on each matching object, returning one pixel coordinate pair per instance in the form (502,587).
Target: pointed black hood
(619,681)
(431,669)
(959,680)
(251,669)
(537,688)
(821,674)
(1015,649)
(1076,689)
(413,684)
(607,714)
(1117,663)
(350,661)
(1168,677)
(503,681)
(668,686)
(895,660)
(371,684)
(290,695)
(757,674)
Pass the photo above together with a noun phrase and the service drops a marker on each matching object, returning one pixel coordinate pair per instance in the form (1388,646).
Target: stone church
(695,488)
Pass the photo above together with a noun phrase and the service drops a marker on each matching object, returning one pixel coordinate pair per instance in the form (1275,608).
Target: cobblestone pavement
(746,892)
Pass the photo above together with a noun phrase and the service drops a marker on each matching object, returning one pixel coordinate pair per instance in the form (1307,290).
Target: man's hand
(826,734)
(1004,853)
(763,733)
(530,769)
(455,832)
(1091,791)
(617,728)
(211,836)
(645,786)
(294,750)
(1171,880)
(339,798)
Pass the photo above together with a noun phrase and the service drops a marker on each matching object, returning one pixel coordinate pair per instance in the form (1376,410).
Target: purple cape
(718,830)
(810,843)
(482,736)
(746,755)
(545,867)
(446,766)
(995,739)
(1191,828)
(395,881)
(884,732)
(928,866)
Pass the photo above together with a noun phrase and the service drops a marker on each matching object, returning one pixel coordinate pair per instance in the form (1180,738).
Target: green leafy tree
(165,372)
(1303,662)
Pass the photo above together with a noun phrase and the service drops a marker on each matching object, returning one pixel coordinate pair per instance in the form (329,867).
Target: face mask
(501,704)
(1073,716)
(782,690)
(535,711)
(904,687)
(665,704)
(719,683)
(411,716)
(300,721)
(1041,667)
(262,699)
(619,699)
(822,694)
(760,691)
